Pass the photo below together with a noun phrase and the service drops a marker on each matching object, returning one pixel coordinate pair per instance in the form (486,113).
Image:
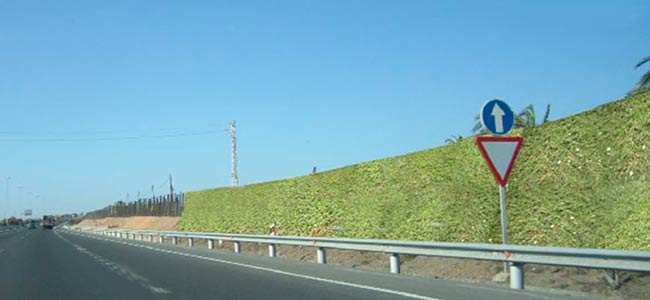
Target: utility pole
(20,196)
(138,205)
(168,210)
(6,200)
(233,139)
(171,188)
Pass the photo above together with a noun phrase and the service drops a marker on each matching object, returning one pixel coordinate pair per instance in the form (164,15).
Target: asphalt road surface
(60,264)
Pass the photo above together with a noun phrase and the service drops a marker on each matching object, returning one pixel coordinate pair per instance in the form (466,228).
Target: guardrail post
(210,244)
(151,237)
(237,247)
(394,263)
(161,239)
(175,240)
(272,250)
(320,255)
(190,242)
(517,276)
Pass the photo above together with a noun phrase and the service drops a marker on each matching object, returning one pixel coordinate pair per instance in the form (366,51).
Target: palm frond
(526,118)
(478,126)
(454,139)
(644,82)
(547,114)
(642,61)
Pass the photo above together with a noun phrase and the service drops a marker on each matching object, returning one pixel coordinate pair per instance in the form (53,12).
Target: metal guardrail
(516,256)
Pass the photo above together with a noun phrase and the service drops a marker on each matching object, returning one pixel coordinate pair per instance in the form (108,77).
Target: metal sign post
(504,219)
(499,152)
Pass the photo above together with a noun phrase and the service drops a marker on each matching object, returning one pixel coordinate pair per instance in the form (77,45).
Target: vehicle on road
(47,222)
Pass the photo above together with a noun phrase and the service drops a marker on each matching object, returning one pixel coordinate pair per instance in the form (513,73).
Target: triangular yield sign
(500,154)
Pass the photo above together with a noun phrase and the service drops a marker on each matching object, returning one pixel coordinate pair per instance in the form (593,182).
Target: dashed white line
(117,269)
(337,282)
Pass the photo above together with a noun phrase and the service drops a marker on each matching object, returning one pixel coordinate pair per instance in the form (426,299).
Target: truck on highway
(47,222)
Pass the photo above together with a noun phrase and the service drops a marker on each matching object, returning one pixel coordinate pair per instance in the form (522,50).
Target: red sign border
(481,148)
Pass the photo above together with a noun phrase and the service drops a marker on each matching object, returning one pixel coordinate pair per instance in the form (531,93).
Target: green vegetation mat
(582,181)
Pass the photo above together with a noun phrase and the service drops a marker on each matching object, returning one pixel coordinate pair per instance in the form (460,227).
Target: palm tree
(454,139)
(478,126)
(547,114)
(644,82)
(528,119)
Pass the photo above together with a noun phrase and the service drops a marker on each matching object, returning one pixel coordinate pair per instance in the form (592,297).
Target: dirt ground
(547,278)
(139,223)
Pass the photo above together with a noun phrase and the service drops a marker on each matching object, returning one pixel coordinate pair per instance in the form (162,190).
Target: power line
(163,184)
(100,139)
(102,131)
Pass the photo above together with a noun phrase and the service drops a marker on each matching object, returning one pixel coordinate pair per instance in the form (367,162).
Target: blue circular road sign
(497,117)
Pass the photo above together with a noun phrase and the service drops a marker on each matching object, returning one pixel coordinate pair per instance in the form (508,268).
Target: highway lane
(36,264)
(43,264)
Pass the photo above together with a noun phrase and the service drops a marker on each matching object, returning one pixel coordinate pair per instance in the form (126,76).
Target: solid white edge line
(343,283)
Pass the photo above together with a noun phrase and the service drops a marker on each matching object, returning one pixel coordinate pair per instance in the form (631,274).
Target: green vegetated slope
(582,181)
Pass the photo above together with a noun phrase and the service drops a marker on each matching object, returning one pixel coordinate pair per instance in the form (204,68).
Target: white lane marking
(343,283)
(117,269)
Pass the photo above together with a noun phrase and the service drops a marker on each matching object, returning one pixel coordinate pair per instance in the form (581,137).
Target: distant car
(48,222)
(31,225)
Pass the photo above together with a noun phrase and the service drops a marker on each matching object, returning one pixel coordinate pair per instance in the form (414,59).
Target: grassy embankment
(582,181)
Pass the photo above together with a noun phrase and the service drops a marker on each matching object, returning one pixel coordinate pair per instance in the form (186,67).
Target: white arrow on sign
(498,114)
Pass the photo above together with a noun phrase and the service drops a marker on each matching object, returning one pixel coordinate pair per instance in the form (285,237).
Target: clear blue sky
(324,84)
